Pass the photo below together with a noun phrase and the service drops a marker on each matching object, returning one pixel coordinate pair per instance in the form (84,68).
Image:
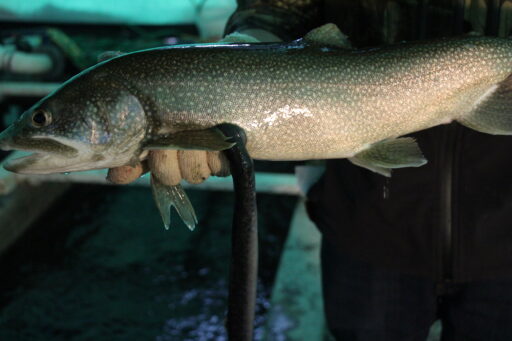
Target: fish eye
(41,118)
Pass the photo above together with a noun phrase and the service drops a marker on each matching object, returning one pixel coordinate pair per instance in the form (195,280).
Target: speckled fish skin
(295,101)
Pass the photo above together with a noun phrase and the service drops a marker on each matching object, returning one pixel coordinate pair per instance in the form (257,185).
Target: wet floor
(100,266)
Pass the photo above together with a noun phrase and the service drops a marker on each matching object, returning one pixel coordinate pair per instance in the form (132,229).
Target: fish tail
(492,113)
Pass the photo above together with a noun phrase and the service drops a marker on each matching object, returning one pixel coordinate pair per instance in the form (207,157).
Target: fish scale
(298,102)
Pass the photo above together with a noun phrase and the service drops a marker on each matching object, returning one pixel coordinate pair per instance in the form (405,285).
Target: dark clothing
(288,19)
(367,303)
(365,22)
(450,220)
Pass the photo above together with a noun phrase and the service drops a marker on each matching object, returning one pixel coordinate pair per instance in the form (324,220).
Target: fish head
(89,123)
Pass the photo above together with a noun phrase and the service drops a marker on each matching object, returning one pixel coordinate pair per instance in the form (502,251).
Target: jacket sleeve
(287,19)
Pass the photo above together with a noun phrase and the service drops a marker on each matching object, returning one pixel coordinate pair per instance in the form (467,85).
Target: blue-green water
(100,266)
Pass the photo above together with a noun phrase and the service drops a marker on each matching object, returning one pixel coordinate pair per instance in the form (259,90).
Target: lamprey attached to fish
(307,99)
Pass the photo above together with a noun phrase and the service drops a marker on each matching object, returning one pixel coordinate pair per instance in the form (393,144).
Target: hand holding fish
(172,166)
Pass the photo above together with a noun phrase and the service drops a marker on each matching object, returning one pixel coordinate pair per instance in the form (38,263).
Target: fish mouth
(45,163)
(49,156)
(22,164)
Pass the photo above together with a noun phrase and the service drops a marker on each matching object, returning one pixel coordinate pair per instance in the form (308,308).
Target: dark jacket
(451,219)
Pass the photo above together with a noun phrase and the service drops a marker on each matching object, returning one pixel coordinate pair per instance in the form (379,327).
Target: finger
(165,167)
(193,165)
(218,163)
(125,174)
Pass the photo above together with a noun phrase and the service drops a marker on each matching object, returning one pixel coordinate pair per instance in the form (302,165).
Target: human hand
(171,166)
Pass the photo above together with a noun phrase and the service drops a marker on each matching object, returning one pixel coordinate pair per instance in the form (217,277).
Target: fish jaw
(49,163)
(51,154)
(35,163)
(54,154)
(45,154)
(57,155)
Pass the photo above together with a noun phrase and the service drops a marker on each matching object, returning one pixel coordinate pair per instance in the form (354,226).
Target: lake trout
(307,99)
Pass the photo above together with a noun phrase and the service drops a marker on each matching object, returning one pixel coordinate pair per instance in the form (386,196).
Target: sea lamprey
(306,99)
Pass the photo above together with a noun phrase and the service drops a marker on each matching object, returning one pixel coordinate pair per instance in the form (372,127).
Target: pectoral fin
(388,154)
(168,196)
(493,111)
(206,139)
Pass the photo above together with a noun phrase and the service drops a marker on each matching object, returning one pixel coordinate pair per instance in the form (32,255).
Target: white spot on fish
(280,115)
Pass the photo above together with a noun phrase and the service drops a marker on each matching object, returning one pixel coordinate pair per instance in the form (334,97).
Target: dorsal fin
(108,55)
(237,37)
(328,34)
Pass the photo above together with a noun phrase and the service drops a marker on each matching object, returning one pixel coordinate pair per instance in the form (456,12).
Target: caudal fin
(493,112)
